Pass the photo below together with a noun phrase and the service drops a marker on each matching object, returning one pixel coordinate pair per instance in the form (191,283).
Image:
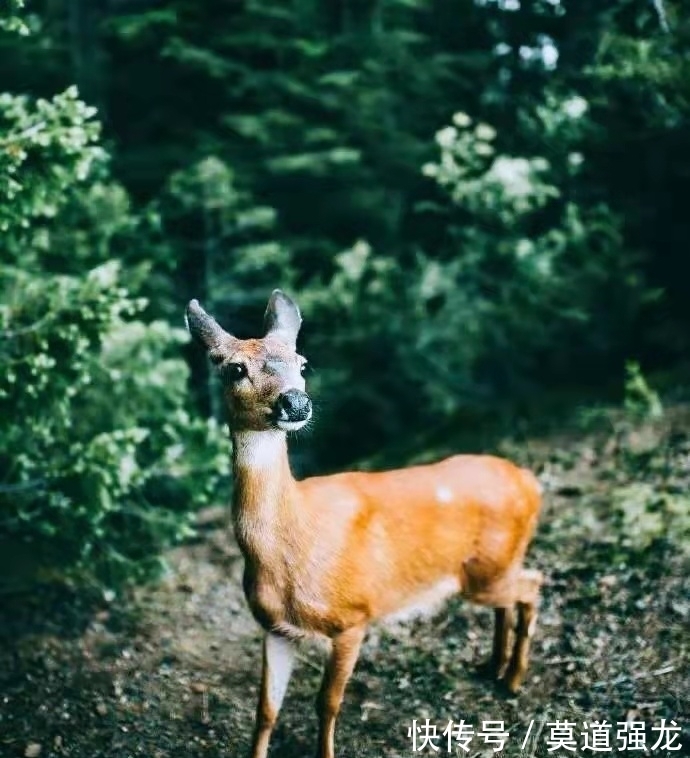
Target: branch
(12,333)
(32,484)
(661,13)
(28,133)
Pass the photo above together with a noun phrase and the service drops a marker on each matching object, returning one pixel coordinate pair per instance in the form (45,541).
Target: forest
(481,208)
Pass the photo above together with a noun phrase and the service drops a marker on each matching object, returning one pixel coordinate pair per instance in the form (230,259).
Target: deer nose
(293,405)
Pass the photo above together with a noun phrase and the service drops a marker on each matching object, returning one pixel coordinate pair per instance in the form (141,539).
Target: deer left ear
(204,328)
(282,319)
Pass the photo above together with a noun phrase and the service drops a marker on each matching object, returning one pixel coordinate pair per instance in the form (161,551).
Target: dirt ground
(173,670)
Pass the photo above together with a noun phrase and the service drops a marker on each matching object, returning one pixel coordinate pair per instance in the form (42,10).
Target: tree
(99,458)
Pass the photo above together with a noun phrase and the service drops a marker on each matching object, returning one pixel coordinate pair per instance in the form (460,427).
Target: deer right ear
(204,328)
(282,318)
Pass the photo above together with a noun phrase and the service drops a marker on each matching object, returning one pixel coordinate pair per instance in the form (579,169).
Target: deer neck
(263,487)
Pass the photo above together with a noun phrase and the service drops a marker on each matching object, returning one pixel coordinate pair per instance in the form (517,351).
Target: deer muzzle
(293,407)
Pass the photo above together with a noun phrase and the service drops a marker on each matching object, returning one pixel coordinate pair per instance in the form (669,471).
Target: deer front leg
(278,660)
(338,671)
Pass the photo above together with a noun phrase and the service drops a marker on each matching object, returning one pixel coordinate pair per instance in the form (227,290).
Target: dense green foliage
(101,460)
(473,201)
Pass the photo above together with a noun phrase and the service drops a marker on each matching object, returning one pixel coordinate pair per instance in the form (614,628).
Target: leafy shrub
(527,288)
(641,401)
(535,270)
(101,465)
(644,514)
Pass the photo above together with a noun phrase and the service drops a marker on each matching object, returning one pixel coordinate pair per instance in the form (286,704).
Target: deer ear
(282,319)
(204,328)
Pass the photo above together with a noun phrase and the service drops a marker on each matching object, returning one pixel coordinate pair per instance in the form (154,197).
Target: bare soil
(173,669)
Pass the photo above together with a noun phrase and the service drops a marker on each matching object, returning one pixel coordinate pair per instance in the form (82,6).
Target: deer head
(263,382)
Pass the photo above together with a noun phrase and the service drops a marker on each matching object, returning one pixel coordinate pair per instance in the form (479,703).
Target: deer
(328,555)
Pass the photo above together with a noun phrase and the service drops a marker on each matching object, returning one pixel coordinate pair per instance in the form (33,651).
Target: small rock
(101,709)
(33,750)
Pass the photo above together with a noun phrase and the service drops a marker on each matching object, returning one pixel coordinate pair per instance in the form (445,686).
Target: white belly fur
(426,602)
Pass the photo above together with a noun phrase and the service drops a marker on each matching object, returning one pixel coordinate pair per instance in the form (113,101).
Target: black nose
(293,405)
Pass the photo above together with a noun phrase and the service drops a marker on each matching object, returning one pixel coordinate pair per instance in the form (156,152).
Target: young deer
(327,555)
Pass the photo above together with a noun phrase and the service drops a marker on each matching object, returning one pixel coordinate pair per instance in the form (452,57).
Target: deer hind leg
(339,668)
(527,599)
(278,661)
(504,620)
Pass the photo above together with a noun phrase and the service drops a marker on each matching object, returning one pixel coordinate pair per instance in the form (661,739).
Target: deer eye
(233,372)
(303,368)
